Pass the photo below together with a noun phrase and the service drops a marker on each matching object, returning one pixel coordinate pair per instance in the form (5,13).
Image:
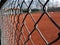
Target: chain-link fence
(25,27)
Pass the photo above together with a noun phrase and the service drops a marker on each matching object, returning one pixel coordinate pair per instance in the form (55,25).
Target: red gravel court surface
(48,29)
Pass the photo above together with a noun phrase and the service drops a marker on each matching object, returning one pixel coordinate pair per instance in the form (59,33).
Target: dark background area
(2,2)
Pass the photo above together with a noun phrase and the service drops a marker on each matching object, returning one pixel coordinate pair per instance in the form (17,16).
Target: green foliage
(32,10)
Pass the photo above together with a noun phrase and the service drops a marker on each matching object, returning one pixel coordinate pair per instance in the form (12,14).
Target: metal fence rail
(14,10)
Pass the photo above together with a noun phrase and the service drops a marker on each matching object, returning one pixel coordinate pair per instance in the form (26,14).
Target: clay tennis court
(48,29)
(25,28)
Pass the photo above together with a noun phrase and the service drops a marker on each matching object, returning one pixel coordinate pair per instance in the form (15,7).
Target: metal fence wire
(19,32)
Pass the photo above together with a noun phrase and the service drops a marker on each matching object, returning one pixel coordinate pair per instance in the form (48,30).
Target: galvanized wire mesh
(18,33)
